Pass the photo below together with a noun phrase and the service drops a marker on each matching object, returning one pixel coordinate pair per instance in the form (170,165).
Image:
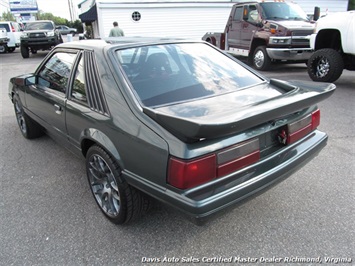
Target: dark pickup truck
(39,35)
(266,32)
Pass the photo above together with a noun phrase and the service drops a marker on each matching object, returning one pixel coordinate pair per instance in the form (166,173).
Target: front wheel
(25,51)
(11,49)
(325,65)
(29,128)
(261,60)
(120,202)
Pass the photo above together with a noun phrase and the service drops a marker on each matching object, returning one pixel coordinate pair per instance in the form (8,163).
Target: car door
(249,27)
(46,98)
(235,27)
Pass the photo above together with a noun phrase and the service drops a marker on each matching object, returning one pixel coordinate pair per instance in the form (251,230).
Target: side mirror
(24,80)
(316,13)
(245,13)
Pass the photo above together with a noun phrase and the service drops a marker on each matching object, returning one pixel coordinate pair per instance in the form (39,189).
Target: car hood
(237,111)
(296,24)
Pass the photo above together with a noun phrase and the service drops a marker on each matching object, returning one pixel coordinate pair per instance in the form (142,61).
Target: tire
(11,49)
(28,127)
(72,33)
(119,202)
(325,65)
(3,48)
(261,60)
(25,51)
(34,51)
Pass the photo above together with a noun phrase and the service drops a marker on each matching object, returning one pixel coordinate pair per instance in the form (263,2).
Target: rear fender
(92,136)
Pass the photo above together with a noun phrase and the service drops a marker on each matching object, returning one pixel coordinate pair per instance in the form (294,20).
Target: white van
(14,32)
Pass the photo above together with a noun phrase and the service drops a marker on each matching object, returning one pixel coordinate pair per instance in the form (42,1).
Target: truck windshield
(39,26)
(171,73)
(282,11)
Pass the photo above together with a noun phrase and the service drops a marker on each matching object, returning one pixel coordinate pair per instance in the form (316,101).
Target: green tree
(7,16)
(351,5)
(50,16)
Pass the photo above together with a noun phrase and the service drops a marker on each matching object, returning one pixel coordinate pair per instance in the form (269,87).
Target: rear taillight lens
(315,119)
(301,128)
(187,174)
(184,174)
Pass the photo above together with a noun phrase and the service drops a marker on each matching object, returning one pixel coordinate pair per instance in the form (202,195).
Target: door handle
(58,109)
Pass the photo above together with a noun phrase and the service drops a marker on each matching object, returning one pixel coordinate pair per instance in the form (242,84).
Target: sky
(59,8)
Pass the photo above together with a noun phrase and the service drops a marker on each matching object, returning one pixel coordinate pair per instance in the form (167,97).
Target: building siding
(177,18)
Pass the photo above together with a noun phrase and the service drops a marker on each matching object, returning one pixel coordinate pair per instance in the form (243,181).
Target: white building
(172,18)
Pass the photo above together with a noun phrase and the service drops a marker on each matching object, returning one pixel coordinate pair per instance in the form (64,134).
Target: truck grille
(37,35)
(302,32)
(299,38)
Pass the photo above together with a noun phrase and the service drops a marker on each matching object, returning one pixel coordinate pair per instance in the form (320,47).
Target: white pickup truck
(334,46)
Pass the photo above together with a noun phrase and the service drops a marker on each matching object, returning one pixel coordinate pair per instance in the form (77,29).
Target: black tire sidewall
(25,52)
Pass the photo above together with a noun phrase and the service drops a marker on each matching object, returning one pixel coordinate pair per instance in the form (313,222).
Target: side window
(238,14)
(78,93)
(253,15)
(55,73)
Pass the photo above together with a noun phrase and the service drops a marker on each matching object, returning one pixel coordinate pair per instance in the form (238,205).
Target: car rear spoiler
(297,96)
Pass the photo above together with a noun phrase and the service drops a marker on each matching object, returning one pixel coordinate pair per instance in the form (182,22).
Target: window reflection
(56,72)
(164,74)
(78,91)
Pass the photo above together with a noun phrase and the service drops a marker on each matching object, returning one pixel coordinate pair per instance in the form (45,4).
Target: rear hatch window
(172,73)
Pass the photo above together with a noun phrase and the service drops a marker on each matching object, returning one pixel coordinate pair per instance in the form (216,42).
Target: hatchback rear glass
(171,73)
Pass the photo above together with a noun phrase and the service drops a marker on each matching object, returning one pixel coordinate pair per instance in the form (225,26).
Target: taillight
(13,28)
(301,128)
(184,174)
(187,174)
(315,119)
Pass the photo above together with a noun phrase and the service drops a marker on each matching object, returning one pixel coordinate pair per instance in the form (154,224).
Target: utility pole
(70,4)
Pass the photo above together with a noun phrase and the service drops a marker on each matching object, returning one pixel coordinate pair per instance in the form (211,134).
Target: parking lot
(49,217)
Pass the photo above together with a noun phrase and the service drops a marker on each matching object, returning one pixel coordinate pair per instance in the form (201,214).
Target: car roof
(118,42)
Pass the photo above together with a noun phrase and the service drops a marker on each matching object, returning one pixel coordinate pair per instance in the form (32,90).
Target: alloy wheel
(20,118)
(322,67)
(259,59)
(104,186)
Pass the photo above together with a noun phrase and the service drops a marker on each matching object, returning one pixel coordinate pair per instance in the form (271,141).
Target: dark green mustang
(176,120)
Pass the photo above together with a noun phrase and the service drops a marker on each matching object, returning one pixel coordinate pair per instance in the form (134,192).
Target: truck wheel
(25,52)
(261,60)
(11,49)
(325,65)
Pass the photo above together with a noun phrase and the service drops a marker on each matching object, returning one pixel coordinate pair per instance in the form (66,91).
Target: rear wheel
(261,60)
(325,65)
(120,202)
(29,128)
(25,51)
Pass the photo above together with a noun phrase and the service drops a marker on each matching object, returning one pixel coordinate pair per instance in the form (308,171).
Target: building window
(136,16)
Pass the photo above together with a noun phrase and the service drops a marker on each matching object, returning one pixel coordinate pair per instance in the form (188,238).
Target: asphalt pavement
(49,217)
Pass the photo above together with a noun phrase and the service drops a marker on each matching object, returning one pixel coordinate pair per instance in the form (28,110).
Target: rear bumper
(289,54)
(207,199)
